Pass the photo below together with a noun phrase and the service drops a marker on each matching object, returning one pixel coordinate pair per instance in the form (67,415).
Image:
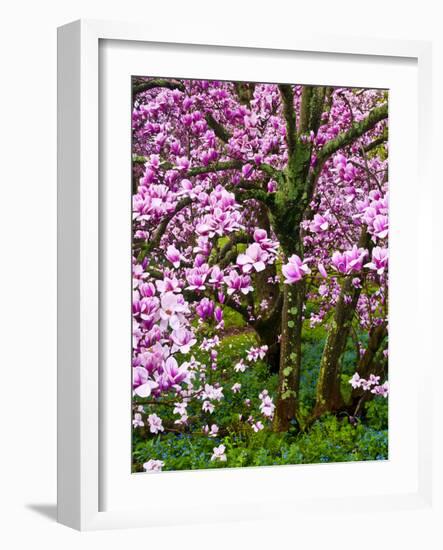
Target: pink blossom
(272,186)
(173,374)
(254,257)
(218,453)
(218,316)
(355,381)
(172,310)
(257,426)
(379,260)
(153,465)
(205,308)
(382,390)
(168,284)
(173,255)
(155,424)
(137,422)
(267,406)
(236,282)
(294,270)
(240,366)
(322,270)
(196,278)
(216,276)
(236,387)
(319,223)
(381,226)
(350,260)
(141,384)
(182,339)
(208,407)
(213,432)
(257,353)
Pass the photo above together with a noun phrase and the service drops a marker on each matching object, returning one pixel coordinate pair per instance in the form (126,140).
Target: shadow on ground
(48,511)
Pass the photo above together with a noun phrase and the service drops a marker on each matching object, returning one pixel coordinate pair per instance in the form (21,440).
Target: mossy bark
(328,392)
(290,356)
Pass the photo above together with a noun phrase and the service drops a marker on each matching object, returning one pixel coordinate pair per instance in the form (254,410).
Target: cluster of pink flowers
(374,213)
(349,261)
(267,406)
(254,354)
(371,384)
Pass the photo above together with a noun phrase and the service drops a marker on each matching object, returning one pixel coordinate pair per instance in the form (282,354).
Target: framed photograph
(231,300)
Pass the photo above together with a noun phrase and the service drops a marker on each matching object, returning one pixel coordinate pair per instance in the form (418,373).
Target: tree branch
(158,83)
(240,237)
(255,194)
(376,142)
(357,130)
(287,96)
(219,130)
(354,132)
(161,228)
(305,109)
(213,167)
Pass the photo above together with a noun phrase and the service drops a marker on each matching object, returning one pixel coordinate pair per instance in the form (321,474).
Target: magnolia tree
(270,200)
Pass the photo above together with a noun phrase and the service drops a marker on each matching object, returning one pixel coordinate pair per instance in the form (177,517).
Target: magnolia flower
(319,223)
(257,353)
(208,407)
(355,381)
(155,424)
(212,392)
(247,170)
(322,270)
(137,421)
(350,260)
(322,290)
(379,260)
(236,282)
(261,237)
(205,308)
(272,186)
(382,390)
(172,310)
(216,277)
(240,366)
(153,465)
(168,284)
(173,374)
(218,453)
(196,279)
(182,339)
(267,406)
(294,270)
(141,384)
(180,408)
(218,315)
(173,255)
(254,257)
(381,226)
(213,431)
(257,426)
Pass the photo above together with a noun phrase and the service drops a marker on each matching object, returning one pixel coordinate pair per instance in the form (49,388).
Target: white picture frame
(81,471)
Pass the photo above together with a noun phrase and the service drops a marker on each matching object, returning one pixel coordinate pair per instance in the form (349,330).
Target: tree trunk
(328,394)
(290,356)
